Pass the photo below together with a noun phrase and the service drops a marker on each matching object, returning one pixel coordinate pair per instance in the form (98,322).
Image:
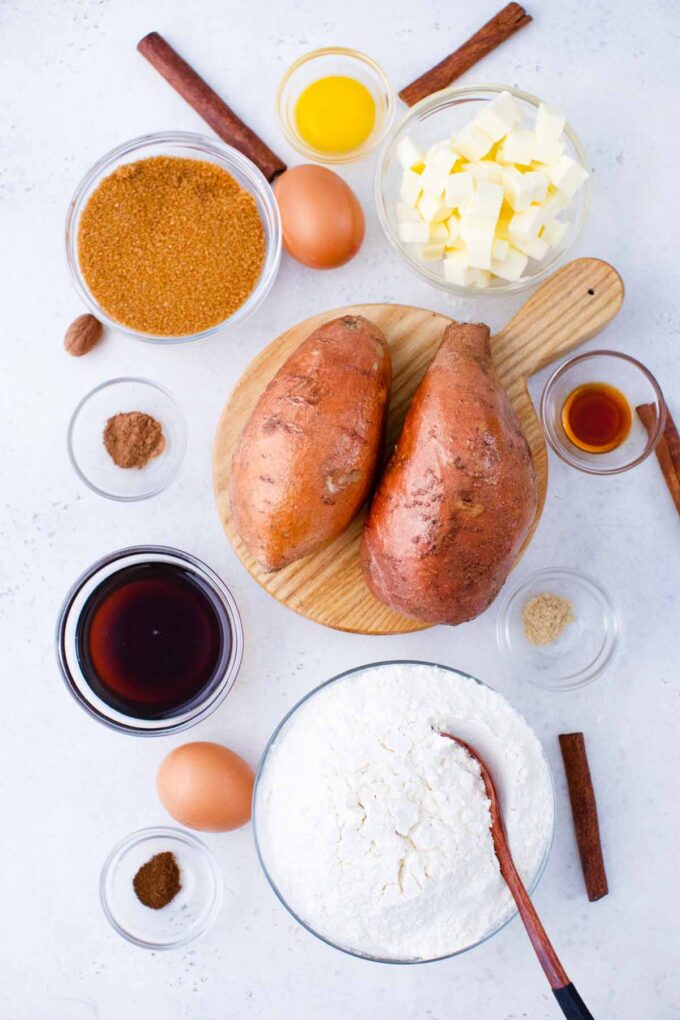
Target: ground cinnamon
(133,438)
(492,34)
(158,881)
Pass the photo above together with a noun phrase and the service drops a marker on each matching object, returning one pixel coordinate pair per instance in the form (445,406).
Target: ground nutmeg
(133,438)
(170,246)
(158,881)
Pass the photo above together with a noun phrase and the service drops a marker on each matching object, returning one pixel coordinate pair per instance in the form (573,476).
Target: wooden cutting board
(570,307)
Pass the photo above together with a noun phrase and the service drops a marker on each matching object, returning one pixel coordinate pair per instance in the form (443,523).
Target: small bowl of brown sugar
(173,237)
(559,627)
(160,888)
(127,439)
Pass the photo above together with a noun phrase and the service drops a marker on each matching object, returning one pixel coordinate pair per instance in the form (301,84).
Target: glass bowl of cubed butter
(483,188)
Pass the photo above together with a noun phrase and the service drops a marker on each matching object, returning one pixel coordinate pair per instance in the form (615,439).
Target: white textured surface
(73,87)
(376,829)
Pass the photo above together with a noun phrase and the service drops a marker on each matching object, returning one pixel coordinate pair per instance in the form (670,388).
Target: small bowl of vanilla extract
(589,412)
(149,640)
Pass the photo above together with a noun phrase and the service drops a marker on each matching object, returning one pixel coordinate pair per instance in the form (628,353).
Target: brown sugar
(170,246)
(132,438)
(545,617)
(158,881)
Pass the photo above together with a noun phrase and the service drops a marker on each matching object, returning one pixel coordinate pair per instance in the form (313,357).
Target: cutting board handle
(568,309)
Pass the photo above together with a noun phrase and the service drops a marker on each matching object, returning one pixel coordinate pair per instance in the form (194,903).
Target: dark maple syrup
(596,417)
(150,640)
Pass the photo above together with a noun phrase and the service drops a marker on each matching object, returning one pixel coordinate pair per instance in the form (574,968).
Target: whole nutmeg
(83,334)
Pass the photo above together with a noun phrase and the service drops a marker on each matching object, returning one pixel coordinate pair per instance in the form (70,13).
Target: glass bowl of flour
(374,830)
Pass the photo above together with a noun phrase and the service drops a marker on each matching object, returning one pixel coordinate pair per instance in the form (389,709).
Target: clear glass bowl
(67,641)
(187,145)
(89,457)
(636,383)
(334,60)
(194,908)
(586,647)
(436,118)
(261,852)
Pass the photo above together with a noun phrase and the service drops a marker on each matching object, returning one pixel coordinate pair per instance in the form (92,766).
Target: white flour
(375,829)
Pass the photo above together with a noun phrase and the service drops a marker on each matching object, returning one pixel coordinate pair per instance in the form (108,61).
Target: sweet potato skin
(458,496)
(307,457)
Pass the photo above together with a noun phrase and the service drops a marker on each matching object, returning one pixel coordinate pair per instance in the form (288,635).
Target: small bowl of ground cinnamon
(160,887)
(559,627)
(173,237)
(127,439)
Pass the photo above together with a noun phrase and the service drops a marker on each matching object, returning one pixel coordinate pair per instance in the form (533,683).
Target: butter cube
(407,214)
(453,228)
(548,150)
(524,226)
(457,269)
(518,147)
(553,233)
(480,277)
(488,200)
(409,155)
(431,251)
(495,120)
(549,122)
(477,231)
(438,232)
(471,142)
(434,180)
(554,204)
(414,233)
(567,175)
(511,267)
(411,188)
(442,155)
(518,191)
(432,209)
(460,190)
(538,181)
(507,102)
(486,170)
(537,249)
(499,249)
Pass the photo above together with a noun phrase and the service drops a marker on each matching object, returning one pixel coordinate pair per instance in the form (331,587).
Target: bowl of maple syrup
(588,412)
(149,640)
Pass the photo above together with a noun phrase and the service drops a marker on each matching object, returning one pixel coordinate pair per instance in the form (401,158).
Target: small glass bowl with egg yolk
(335,105)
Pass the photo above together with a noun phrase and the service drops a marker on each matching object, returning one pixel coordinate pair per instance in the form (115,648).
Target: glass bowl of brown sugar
(173,238)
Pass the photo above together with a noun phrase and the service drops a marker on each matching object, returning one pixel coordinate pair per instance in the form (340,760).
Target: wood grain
(328,586)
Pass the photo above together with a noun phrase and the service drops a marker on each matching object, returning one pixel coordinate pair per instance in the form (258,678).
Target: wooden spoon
(567,997)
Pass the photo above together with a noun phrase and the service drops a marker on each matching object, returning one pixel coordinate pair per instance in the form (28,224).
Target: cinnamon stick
(497,30)
(584,811)
(667,449)
(208,104)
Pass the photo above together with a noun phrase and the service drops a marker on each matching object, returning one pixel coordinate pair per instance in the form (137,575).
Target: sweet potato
(458,495)
(306,459)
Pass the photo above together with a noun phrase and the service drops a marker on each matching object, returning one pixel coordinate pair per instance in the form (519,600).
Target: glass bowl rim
(362,150)
(512,913)
(168,832)
(562,452)
(226,600)
(587,675)
(448,97)
(160,487)
(229,158)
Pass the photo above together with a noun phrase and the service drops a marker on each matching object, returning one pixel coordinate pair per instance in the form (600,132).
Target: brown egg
(322,221)
(206,786)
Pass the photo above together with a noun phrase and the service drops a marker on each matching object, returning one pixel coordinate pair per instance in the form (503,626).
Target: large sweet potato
(459,493)
(307,457)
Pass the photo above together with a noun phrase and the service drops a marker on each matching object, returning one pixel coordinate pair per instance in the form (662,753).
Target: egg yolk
(335,114)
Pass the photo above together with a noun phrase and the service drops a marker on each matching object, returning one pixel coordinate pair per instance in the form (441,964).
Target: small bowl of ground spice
(127,439)
(559,627)
(173,237)
(160,888)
